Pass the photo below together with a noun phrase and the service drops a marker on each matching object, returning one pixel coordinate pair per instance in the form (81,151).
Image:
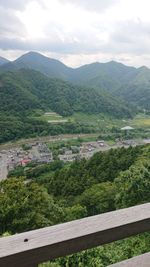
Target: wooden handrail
(139,261)
(34,247)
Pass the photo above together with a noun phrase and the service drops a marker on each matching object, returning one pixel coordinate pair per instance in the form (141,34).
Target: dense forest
(60,192)
(24,93)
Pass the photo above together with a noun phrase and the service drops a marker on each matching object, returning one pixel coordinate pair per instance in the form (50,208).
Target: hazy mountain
(137,90)
(32,60)
(105,75)
(3,61)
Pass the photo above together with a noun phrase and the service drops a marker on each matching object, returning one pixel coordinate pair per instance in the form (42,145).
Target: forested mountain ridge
(128,83)
(55,69)
(108,76)
(26,90)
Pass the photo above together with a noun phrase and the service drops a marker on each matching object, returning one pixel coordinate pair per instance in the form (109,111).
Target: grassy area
(100,121)
(103,122)
(111,142)
(104,126)
(140,121)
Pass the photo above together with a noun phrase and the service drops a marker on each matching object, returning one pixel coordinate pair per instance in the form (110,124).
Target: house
(24,162)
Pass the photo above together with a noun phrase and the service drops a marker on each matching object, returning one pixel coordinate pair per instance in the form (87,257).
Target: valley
(74,133)
(73,143)
(107,129)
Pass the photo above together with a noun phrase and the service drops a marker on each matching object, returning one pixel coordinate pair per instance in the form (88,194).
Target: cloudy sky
(77,31)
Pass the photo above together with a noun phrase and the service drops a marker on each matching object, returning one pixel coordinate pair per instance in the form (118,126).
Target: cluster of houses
(36,152)
(40,153)
(85,151)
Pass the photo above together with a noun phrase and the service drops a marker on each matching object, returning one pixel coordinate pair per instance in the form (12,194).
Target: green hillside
(107,76)
(24,92)
(124,82)
(137,90)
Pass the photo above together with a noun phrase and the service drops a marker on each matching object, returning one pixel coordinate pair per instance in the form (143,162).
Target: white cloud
(77,32)
(94,5)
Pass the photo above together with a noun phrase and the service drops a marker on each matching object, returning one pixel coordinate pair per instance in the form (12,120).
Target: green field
(103,122)
(141,121)
(53,117)
(99,121)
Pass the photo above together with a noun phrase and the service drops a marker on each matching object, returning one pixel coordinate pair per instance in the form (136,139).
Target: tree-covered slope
(137,90)
(110,180)
(107,76)
(15,98)
(26,90)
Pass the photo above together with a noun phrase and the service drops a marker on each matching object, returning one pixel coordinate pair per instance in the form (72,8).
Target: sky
(77,32)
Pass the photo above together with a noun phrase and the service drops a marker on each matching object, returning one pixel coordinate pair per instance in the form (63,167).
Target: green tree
(25,206)
(133,185)
(75,212)
(99,198)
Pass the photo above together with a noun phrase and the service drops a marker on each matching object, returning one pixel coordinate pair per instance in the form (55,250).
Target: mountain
(137,90)
(47,66)
(123,82)
(108,76)
(3,61)
(100,75)
(127,83)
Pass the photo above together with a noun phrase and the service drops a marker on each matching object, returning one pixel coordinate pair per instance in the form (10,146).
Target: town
(39,152)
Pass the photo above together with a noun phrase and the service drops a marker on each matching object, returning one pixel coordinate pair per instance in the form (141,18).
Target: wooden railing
(34,247)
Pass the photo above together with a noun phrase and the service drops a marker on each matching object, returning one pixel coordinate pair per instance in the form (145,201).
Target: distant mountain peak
(32,55)
(143,68)
(3,61)
(113,62)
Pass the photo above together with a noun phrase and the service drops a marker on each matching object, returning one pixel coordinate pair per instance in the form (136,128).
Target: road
(3,167)
(10,145)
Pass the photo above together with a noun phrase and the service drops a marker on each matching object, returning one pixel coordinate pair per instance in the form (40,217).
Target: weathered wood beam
(30,248)
(139,261)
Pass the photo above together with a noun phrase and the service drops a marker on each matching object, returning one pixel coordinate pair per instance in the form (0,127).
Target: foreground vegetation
(59,192)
